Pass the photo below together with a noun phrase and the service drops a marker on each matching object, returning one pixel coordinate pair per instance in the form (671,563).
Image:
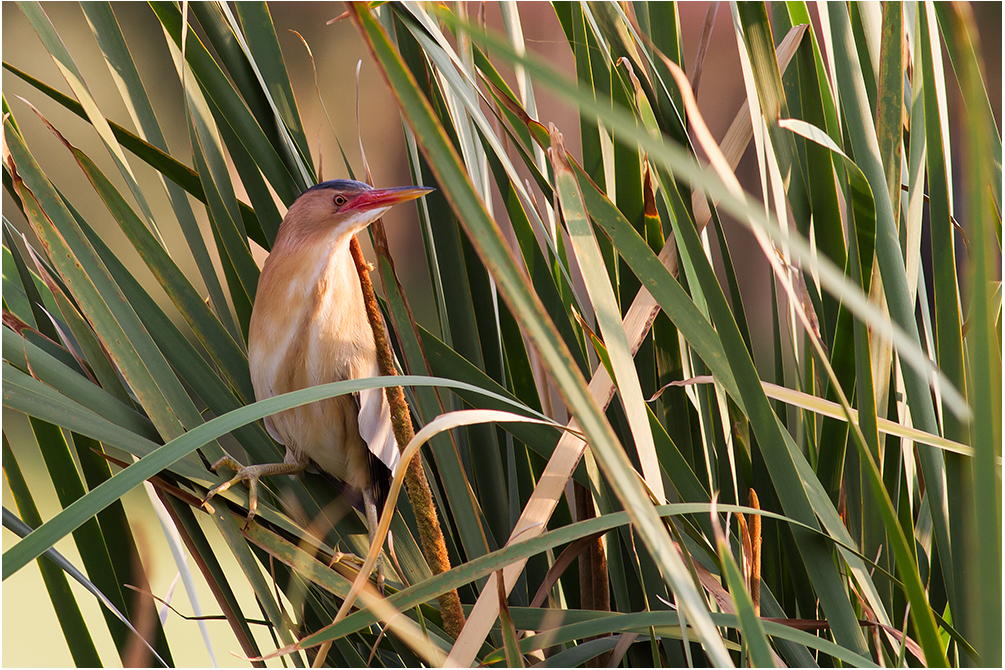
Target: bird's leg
(251,474)
(341,557)
(370,506)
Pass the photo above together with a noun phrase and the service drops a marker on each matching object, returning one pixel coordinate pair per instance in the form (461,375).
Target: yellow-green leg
(372,520)
(251,474)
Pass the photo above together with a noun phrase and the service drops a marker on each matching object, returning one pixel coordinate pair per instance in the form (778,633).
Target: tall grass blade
(121,65)
(498,258)
(123,336)
(608,314)
(75,630)
(233,111)
(983,530)
(61,57)
(227,353)
(891,262)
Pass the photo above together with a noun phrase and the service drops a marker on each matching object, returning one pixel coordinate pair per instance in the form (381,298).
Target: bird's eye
(340,200)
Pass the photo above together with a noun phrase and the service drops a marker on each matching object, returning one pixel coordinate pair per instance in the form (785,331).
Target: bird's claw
(342,557)
(249,474)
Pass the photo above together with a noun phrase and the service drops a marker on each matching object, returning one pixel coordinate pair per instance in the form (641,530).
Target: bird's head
(344,207)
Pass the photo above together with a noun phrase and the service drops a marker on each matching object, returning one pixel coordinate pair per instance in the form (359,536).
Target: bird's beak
(380,198)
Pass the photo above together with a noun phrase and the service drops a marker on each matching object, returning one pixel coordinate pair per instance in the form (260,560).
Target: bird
(309,327)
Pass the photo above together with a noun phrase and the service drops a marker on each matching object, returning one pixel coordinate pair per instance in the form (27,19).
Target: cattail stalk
(430,534)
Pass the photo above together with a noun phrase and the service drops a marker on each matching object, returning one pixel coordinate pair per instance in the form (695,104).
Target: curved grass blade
(165,456)
(445,362)
(581,654)
(33,398)
(498,258)
(462,574)
(438,425)
(599,623)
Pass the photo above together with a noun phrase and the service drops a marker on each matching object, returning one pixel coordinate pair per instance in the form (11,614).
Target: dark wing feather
(380,480)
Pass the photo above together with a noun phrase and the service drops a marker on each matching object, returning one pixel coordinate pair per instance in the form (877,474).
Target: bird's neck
(301,265)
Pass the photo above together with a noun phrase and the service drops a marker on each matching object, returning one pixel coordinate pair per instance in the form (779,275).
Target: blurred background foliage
(178,359)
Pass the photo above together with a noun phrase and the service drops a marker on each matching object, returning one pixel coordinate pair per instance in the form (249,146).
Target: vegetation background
(745,274)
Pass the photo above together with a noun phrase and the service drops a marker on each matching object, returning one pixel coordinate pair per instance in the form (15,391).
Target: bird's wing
(375,427)
(380,482)
(271,428)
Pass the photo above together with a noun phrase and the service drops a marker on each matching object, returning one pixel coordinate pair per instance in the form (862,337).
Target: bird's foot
(357,562)
(250,474)
(379,569)
(341,557)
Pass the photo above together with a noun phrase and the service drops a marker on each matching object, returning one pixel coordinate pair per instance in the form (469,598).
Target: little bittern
(309,327)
